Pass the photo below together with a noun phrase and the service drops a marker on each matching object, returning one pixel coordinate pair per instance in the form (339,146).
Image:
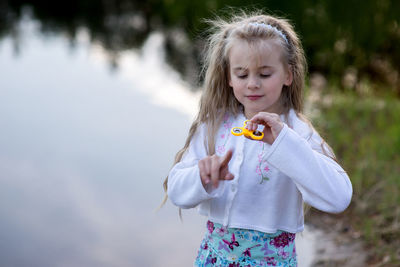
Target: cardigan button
(233,188)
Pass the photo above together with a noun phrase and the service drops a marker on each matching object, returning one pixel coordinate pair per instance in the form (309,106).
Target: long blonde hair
(218,98)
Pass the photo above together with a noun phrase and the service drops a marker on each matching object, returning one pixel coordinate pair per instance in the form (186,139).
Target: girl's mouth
(254,97)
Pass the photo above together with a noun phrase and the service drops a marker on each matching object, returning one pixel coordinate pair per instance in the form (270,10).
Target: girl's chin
(251,112)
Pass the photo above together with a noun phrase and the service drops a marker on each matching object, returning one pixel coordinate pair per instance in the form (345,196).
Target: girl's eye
(243,76)
(265,75)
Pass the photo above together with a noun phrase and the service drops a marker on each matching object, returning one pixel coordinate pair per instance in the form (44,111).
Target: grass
(365,135)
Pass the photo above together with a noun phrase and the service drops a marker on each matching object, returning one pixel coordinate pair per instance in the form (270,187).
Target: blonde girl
(253,191)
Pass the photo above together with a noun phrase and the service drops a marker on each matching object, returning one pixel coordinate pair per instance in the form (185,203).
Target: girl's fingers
(251,126)
(204,175)
(261,118)
(207,166)
(266,118)
(226,175)
(226,158)
(271,120)
(215,169)
(229,176)
(224,171)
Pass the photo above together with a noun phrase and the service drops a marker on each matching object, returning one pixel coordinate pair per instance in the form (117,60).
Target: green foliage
(360,37)
(365,134)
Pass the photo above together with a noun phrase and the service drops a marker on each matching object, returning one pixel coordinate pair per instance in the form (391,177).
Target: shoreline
(335,243)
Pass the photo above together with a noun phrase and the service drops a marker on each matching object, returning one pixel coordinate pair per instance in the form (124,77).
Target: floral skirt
(233,247)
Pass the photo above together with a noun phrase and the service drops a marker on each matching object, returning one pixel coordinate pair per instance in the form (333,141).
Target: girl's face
(257,75)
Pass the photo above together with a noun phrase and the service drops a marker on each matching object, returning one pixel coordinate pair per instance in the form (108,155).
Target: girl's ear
(289,76)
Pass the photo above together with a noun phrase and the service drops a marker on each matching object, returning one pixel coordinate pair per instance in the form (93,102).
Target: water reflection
(83,153)
(157,79)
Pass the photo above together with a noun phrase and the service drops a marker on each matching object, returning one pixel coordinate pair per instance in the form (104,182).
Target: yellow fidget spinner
(238,131)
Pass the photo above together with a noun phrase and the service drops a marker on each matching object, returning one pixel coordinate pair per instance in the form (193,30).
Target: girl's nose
(253,83)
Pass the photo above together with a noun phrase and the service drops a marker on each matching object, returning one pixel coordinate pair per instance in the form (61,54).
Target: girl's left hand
(272,125)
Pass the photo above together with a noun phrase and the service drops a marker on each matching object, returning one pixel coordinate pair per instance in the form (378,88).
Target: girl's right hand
(214,168)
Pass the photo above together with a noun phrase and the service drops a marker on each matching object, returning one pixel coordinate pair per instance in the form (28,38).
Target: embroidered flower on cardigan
(224,135)
(227,123)
(221,149)
(262,167)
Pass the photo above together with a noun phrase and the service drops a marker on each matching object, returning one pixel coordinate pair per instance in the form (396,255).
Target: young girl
(253,191)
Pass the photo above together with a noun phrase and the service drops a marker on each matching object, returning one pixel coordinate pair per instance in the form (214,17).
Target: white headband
(270,27)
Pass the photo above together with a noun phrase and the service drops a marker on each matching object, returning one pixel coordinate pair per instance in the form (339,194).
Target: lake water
(84,149)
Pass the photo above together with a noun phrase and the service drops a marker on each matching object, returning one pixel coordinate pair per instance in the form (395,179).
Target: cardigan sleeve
(185,189)
(320,179)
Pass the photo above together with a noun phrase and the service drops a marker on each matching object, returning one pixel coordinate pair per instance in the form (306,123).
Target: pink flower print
(270,261)
(222,245)
(221,231)
(228,125)
(247,251)
(226,117)
(221,149)
(258,170)
(211,260)
(266,250)
(282,240)
(234,264)
(210,226)
(283,254)
(222,136)
(232,243)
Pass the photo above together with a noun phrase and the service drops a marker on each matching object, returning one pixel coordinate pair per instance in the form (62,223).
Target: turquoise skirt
(233,247)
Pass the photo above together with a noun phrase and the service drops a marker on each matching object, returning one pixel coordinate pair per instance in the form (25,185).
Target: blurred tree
(344,39)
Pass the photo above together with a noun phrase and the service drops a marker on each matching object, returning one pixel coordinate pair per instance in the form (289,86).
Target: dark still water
(84,149)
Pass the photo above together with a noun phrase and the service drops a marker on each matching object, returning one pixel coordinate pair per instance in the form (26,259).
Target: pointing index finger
(226,158)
